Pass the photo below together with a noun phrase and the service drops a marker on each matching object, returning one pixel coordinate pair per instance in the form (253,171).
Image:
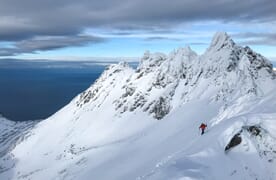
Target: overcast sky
(61,29)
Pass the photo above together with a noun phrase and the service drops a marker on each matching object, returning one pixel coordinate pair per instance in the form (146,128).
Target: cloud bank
(46,25)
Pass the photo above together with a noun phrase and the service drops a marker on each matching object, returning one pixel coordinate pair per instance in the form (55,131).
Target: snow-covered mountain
(143,123)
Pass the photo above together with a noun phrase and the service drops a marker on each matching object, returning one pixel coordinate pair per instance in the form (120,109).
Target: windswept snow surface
(143,123)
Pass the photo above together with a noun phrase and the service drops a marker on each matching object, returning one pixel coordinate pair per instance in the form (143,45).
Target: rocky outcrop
(236,140)
(260,138)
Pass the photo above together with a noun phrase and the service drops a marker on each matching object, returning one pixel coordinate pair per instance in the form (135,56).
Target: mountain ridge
(185,65)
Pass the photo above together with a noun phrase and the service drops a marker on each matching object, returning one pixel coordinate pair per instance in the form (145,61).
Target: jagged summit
(221,40)
(225,55)
(162,82)
(186,51)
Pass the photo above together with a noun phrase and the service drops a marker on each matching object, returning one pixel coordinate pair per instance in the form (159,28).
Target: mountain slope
(111,131)
(11,133)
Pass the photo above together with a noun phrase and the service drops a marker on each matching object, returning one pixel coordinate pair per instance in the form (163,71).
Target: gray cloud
(158,38)
(48,43)
(250,38)
(22,21)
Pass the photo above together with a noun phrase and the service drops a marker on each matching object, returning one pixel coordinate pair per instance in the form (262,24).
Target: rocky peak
(151,60)
(185,54)
(221,40)
(186,51)
(225,56)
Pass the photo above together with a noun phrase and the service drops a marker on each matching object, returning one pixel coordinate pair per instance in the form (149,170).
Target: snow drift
(143,123)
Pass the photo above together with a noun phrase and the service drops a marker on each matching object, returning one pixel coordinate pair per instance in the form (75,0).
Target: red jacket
(202,126)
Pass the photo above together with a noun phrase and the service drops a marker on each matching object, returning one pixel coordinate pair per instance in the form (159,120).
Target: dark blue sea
(31,90)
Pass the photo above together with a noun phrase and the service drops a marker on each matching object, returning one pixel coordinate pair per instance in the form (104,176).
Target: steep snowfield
(143,123)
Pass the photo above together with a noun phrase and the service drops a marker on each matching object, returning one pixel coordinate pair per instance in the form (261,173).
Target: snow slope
(143,123)
(11,133)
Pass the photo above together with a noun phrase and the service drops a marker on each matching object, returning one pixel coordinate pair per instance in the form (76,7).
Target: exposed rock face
(236,140)
(254,130)
(161,108)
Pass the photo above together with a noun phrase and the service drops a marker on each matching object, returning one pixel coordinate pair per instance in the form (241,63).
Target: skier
(202,127)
